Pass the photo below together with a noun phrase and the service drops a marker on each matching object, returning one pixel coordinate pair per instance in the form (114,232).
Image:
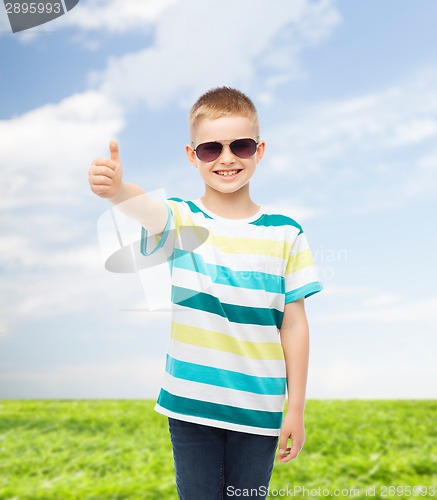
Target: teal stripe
(276,220)
(225,378)
(235,313)
(303,291)
(223,413)
(264,220)
(194,208)
(190,261)
(254,280)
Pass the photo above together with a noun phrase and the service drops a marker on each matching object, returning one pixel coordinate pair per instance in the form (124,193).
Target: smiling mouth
(227,173)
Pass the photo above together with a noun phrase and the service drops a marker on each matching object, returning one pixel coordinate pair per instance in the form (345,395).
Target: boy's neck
(230,205)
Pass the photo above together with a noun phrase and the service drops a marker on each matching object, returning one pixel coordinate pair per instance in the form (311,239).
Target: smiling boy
(239,333)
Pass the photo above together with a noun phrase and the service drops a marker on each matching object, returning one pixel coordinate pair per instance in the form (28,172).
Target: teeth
(227,172)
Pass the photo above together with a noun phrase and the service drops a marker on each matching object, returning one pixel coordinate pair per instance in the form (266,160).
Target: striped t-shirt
(230,281)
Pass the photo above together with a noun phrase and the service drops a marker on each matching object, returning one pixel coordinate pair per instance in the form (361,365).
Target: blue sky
(347,97)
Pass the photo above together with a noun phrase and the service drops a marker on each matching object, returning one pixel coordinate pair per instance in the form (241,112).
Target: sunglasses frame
(226,143)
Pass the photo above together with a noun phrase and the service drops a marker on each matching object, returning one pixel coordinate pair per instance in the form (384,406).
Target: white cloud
(371,344)
(5,27)
(385,309)
(382,300)
(116,16)
(48,259)
(203,44)
(422,180)
(55,243)
(46,151)
(375,146)
(110,16)
(296,212)
(391,119)
(357,376)
(123,378)
(336,291)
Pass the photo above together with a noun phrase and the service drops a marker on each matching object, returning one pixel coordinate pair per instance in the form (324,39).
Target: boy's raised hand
(105,174)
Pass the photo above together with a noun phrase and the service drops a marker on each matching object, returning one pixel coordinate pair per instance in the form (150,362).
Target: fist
(105,174)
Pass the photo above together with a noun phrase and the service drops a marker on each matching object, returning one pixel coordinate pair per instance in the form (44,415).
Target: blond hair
(219,102)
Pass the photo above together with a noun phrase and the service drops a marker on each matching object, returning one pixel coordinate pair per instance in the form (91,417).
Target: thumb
(283,443)
(113,147)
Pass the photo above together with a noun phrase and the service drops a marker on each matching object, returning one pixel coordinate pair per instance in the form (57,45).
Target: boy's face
(225,130)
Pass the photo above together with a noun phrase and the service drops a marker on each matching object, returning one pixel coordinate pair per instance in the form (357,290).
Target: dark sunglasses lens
(243,148)
(208,151)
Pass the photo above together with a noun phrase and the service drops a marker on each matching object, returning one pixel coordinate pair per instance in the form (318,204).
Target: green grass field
(102,450)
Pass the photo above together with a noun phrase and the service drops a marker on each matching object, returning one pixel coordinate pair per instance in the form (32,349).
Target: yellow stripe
(226,343)
(267,247)
(271,248)
(226,244)
(187,221)
(177,217)
(299,261)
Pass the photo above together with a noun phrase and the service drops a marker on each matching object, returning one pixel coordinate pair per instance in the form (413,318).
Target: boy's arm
(105,178)
(295,344)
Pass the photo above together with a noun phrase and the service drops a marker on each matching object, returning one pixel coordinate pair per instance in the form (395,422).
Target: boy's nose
(226,156)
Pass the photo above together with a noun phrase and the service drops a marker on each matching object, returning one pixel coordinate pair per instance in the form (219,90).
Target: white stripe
(217,423)
(269,264)
(300,278)
(272,259)
(226,293)
(275,233)
(193,280)
(300,244)
(249,297)
(213,322)
(226,360)
(222,395)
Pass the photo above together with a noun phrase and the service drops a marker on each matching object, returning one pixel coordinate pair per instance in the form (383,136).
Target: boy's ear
(260,150)
(191,155)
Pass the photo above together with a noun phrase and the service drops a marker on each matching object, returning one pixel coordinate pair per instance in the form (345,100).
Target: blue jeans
(216,464)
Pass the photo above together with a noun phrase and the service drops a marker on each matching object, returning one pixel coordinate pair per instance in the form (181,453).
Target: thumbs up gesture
(105,174)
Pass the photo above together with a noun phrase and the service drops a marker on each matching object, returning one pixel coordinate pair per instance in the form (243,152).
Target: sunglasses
(210,151)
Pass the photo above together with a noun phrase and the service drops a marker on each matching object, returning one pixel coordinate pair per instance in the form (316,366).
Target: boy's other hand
(105,174)
(292,428)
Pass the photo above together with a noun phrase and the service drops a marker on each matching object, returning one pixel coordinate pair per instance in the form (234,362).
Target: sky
(346,93)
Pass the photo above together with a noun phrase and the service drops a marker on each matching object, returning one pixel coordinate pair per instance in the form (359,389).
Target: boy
(239,332)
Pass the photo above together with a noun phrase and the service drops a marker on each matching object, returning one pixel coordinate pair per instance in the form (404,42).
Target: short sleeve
(164,240)
(301,276)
